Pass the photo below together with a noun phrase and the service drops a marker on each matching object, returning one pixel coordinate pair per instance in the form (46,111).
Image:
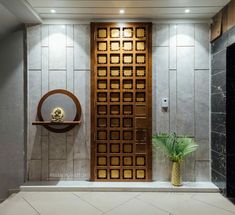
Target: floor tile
(136,207)
(16,206)
(216,200)
(59,203)
(180,204)
(106,201)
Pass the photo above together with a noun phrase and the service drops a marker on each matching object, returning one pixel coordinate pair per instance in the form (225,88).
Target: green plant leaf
(175,147)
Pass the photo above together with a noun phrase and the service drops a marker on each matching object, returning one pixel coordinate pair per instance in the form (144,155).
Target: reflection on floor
(116,203)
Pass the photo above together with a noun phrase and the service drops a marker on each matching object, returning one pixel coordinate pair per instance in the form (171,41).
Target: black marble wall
(222,83)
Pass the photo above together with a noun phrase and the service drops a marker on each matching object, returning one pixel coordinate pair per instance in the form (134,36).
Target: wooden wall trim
(223,21)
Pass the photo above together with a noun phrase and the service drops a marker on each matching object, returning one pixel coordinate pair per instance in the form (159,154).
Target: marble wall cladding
(218,111)
(181,72)
(58,57)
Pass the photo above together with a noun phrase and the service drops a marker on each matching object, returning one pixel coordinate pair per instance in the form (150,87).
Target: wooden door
(121,94)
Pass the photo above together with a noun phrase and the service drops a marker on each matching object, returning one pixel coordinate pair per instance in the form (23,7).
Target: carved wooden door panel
(121,94)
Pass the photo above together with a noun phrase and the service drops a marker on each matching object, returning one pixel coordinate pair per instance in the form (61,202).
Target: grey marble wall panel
(185,35)
(174,61)
(45,157)
(173,101)
(154,92)
(57,80)
(201,46)
(203,151)
(34,47)
(35,170)
(202,170)
(161,35)
(45,34)
(58,152)
(69,39)
(82,47)
(161,166)
(162,77)
(188,168)
(69,151)
(202,113)
(82,169)
(173,49)
(70,71)
(45,70)
(57,146)
(34,132)
(57,169)
(81,147)
(185,91)
(57,47)
(87,113)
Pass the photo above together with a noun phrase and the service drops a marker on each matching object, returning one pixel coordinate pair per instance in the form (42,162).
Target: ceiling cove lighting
(122,11)
(187,10)
(53,11)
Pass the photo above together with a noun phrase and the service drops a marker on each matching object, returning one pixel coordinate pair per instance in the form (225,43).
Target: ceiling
(15,12)
(133,8)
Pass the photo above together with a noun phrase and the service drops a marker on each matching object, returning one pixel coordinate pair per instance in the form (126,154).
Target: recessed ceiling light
(53,11)
(122,11)
(187,11)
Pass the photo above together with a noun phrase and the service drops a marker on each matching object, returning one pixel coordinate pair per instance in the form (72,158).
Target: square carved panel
(114,110)
(102,161)
(102,148)
(115,72)
(102,59)
(114,148)
(102,46)
(140,32)
(127,71)
(102,174)
(121,102)
(115,45)
(127,58)
(127,32)
(115,32)
(127,45)
(115,59)
(128,148)
(140,45)
(102,72)
(127,174)
(102,33)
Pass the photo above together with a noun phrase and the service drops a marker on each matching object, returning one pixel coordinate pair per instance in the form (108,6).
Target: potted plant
(176,148)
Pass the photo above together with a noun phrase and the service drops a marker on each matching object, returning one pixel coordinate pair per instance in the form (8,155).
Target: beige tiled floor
(116,203)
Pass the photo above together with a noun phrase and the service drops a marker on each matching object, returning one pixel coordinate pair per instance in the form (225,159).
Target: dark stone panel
(218,142)
(218,122)
(219,44)
(215,71)
(219,60)
(231,103)
(218,82)
(218,102)
(218,162)
(219,181)
(231,174)
(231,36)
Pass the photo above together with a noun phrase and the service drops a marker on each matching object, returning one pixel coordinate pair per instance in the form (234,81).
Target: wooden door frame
(149,97)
